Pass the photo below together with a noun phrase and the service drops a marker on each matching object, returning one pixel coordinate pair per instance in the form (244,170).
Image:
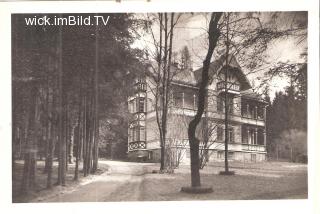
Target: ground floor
(182,155)
(246,141)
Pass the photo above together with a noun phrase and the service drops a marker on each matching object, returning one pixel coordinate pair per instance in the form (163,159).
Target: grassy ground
(252,181)
(41,180)
(125,181)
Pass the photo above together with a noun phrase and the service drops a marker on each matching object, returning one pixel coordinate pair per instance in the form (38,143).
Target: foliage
(292,145)
(287,114)
(76,79)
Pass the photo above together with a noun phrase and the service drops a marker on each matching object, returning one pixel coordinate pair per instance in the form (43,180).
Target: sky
(191,31)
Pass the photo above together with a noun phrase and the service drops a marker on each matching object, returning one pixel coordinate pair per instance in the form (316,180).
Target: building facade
(246,116)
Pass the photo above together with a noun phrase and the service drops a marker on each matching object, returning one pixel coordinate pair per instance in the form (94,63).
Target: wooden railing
(230,86)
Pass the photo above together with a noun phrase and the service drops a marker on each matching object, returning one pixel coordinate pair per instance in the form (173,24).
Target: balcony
(232,88)
(239,147)
(237,118)
(140,87)
(253,147)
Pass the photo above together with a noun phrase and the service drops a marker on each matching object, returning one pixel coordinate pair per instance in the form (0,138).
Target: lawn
(269,180)
(41,180)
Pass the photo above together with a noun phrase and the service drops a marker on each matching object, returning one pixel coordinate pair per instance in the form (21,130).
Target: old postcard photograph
(169,105)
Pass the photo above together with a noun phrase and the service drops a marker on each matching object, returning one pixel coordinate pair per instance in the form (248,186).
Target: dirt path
(127,181)
(121,183)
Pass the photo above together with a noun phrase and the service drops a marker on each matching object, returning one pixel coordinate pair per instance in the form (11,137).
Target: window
(140,84)
(137,134)
(231,135)
(220,104)
(132,134)
(260,113)
(140,104)
(150,155)
(219,133)
(253,157)
(195,102)
(188,100)
(220,154)
(252,135)
(137,105)
(178,99)
(142,134)
(230,155)
(230,104)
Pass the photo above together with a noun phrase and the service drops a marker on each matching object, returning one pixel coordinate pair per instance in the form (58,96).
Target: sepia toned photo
(110,107)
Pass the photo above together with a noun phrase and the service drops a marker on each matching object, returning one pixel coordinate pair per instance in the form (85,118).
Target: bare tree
(213,37)
(177,138)
(209,138)
(162,73)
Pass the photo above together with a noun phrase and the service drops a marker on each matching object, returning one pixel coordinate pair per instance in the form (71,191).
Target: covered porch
(253,137)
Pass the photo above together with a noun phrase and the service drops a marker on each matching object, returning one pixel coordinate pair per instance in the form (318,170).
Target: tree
(177,135)
(58,73)
(185,58)
(209,137)
(162,73)
(213,37)
(288,120)
(244,44)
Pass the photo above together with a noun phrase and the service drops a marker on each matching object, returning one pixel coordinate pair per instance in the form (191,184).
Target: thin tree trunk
(76,171)
(62,143)
(96,104)
(50,158)
(226,107)
(163,97)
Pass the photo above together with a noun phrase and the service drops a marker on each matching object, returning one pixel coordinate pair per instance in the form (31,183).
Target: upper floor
(228,89)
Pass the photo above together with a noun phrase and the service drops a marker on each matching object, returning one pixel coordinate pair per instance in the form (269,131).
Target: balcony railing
(239,147)
(137,145)
(230,86)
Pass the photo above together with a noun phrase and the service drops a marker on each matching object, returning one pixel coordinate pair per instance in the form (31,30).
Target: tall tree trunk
(78,145)
(96,104)
(67,136)
(62,143)
(163,98)
(226,107)
(50,157)
(28,178)
(71,145)
(214,34)
(84,130)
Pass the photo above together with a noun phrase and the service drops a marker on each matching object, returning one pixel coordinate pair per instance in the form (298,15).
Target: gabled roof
(193,78)
(183,76)
(217,65)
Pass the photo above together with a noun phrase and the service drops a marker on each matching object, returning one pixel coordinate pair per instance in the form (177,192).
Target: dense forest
(69,96)
(287,116)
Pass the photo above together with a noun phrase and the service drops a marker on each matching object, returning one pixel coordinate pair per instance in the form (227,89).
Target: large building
(246,116)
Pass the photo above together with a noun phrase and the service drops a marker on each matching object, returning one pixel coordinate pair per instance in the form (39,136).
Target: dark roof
(218,64)
(189,77)
(250,94)
(185,76)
